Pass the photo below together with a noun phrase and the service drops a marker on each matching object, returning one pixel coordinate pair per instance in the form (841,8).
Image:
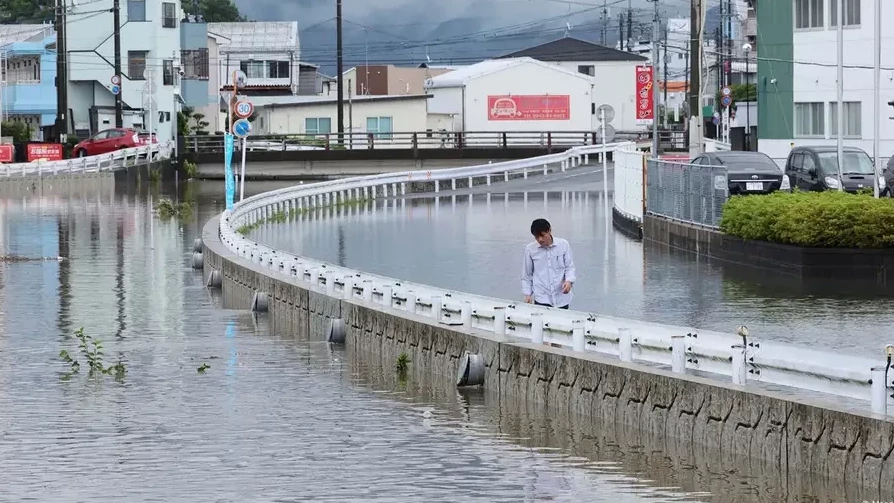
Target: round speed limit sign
(243,109)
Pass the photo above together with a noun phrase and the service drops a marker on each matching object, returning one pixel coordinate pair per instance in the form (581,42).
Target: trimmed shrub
(829,219)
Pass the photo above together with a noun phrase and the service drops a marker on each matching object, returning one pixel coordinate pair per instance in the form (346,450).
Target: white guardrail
(92,164)
(629,177)
(683,349)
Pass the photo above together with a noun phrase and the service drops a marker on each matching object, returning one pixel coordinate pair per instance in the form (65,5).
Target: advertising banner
(44,151)
(7,153)
(535,107)
(229,182)
(645,95)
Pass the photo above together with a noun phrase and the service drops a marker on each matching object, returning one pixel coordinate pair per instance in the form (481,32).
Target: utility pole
(876,89)
(664,76)
(656,22)
(729,45)
(61,72)
(621,34)
(840,107)
(696,123)
(340,69)
(116,16)
(604,21)
(629,24)
(719,36)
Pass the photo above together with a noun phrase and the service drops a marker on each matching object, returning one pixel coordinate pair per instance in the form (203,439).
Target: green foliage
(402,364)
(190,168)
(25,11)
(154,175)
(829,219)
(282,216)
(214,11)
(166,209)
(19,131)
(91,350)
(203,368)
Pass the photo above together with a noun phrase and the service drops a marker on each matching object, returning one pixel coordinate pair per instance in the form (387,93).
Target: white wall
(818,82)
(440,122)
(408,115)
(217,121)
(92,34)
(614,84)
(232,60)
(528,78)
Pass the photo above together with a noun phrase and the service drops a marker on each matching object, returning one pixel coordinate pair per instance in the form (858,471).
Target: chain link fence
(687,192)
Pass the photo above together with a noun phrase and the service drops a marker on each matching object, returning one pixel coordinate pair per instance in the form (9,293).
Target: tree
(25,11)
(212,11)
(19,131)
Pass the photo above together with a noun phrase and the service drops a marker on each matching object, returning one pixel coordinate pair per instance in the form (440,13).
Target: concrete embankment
(743,429)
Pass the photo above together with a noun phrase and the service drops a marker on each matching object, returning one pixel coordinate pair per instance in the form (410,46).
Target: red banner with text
(7,153)
(546,107)
(44,151)
(645,95)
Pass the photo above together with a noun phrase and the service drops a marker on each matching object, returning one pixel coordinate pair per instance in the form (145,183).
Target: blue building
(29,80)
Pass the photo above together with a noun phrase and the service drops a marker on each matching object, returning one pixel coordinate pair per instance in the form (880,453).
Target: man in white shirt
(548,268)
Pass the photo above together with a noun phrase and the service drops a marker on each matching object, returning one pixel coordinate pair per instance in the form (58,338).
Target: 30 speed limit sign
(243,109)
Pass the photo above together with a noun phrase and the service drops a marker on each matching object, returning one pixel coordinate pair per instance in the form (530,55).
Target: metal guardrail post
(739,372)
(537,328)
(879,390)
(678,354)
(578,341)
(500,320)
(625,345)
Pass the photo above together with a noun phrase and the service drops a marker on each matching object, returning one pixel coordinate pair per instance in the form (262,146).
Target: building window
(321,125)
(136,10)
(278,69)
(809,119)
(136,64)
(851,13)
(587,70)
(381,126)
(853,119)
(168,15)
(195,64)
(254,69)
(167,67)
(809,14)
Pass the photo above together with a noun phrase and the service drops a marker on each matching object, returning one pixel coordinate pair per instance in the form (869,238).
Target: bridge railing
(682,349)
(92,164)
(403,140)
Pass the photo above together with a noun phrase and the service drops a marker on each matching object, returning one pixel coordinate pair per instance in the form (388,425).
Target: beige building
(318,115)
(217,120)
(385,80)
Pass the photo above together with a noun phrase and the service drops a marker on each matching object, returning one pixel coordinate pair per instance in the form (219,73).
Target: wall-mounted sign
(7,153)
(44,151)
(529,107)
(645,98)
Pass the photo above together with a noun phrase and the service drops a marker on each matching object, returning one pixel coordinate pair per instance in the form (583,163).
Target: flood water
(277,417)
(475,243)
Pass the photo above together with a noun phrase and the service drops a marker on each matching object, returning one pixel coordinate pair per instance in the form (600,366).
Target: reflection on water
(275,418)
(475,244)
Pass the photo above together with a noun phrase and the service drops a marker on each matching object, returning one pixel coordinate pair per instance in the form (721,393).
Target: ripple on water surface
(273,418)
(476,246)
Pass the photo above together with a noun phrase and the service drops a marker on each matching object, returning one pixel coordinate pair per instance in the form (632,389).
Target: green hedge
(829,219)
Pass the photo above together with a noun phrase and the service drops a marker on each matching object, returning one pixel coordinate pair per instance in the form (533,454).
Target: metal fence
(686,192)
(628,186)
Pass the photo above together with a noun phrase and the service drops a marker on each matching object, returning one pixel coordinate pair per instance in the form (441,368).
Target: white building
(217,120)
(514,94)
(150,40)
(610,71)
(798,101)
(318,115)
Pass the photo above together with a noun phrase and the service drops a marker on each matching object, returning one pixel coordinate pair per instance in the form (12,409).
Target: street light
(746,48)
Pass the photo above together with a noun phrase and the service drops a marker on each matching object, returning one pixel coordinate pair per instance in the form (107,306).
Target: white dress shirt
(545,269)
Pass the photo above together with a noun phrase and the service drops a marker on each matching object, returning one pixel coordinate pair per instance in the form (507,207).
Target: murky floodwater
(275,417)
(476,245)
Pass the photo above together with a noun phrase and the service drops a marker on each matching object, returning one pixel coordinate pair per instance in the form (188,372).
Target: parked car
(747,172)
(107,141)
(816,169)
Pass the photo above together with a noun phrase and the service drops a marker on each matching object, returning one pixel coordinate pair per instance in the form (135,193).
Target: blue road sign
(116,89)
(726,101)
(229,181)
(241,128)
(716,120)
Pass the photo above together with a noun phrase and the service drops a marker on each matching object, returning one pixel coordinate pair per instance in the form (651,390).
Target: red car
(109,140)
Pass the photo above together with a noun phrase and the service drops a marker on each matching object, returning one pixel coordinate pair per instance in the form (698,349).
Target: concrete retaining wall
(745,430)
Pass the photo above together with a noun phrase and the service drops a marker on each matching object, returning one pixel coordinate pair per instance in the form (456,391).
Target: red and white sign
(538,107)
(44,152)
(645,95)
(7,153)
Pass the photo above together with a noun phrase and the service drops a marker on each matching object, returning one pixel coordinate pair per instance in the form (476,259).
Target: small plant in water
(402,364)
(203,368)
(166,209)
(91,350)
(154,175)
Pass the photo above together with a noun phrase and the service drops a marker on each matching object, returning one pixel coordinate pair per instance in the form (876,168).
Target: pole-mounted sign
(243,109)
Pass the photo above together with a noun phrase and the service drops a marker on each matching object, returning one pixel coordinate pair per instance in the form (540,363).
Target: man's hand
(566,287)
(528,299)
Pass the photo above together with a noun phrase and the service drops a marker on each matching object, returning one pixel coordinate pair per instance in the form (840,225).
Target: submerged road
(466,240)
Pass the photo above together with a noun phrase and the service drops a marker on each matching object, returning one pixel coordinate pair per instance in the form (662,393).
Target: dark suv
(816,169)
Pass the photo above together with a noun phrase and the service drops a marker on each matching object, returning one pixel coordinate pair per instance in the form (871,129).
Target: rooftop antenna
(567,28)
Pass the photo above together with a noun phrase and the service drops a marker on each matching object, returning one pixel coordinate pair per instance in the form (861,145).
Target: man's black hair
(540,226)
